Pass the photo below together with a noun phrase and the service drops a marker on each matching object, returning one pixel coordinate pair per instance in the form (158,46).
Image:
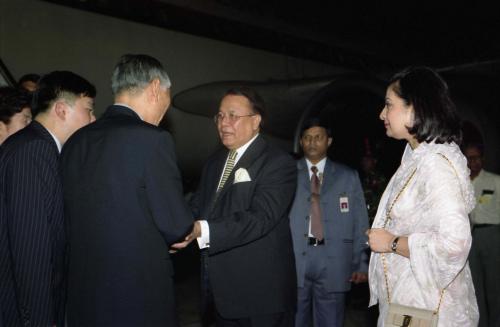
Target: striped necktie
(227,170)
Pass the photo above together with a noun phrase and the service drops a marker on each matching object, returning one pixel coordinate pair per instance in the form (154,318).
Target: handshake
(195,233)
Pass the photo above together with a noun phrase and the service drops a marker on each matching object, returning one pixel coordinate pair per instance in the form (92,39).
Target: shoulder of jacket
(338,167)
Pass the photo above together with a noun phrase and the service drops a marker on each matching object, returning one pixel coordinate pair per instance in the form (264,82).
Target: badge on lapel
(344,203)
(241,175)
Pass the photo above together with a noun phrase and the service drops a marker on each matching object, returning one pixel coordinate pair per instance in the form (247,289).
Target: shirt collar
(241,150)
(126,106)
(320,165)
(58,144)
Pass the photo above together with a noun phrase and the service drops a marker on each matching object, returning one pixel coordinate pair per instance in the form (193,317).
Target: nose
(382,114)
(224,120)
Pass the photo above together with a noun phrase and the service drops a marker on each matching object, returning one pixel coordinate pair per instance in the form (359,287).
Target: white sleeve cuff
(204,239)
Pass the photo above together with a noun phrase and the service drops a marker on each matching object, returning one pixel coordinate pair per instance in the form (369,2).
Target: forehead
(29,85)
(390,92)
(85,100)
(472,151)
(235,103)
(26,111)
(315,130)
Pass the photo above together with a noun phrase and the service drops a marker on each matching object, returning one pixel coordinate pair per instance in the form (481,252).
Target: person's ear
(155,90)
(3,128)
(256,121)
(330,141)
(411,116)
(61,109)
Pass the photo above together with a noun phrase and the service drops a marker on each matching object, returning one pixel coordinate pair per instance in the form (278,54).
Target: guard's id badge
(344,203)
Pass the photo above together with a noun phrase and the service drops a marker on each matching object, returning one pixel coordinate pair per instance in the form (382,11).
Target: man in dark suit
(124,201)
(243,199)
(32,235)
(328,221)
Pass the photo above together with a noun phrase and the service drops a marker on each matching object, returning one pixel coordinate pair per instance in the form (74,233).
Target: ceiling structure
(371,36)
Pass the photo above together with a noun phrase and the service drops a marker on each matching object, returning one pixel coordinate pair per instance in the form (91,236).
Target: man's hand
(359,277)
(196,232)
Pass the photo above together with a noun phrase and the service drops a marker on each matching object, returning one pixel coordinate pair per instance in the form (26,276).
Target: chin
(227,144)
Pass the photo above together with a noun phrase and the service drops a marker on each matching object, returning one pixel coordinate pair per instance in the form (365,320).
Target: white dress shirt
(487,189)
(58,144)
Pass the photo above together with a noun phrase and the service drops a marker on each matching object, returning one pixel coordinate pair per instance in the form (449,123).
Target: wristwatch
(394,244)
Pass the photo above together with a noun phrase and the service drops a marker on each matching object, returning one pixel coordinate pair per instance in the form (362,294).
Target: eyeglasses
(232,118)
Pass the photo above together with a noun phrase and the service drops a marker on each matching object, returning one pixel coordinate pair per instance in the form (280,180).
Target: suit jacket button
(304,253)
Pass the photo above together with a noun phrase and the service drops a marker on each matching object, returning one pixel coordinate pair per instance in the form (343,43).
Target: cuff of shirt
(204,239)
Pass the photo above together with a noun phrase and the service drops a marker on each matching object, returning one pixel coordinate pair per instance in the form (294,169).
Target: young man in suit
(125,205)
(328,220)
(242,202)
(32,235)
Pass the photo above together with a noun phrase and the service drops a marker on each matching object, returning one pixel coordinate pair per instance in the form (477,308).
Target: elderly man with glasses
(246,188)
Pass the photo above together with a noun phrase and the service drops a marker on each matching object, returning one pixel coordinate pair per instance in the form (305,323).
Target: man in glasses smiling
(234,129)
(242,202)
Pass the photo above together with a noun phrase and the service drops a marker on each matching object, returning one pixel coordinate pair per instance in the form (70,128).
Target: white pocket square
(241,175)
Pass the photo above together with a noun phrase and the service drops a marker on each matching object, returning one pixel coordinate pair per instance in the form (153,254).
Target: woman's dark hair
(12,101)
(435,114)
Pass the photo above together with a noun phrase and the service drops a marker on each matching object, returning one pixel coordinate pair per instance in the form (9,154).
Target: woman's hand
(380,240)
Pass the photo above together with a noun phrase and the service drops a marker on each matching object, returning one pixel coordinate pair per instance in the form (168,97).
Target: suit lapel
(304,180)
(253,152)
(218,166)
(328,176)
(44,133)
(327,181)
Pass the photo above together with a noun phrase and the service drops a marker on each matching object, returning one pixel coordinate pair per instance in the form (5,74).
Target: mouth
(225,134)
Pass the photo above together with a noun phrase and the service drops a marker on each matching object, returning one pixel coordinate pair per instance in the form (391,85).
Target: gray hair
(134,72)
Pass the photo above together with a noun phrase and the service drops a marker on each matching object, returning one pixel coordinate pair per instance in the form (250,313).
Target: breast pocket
(240,195)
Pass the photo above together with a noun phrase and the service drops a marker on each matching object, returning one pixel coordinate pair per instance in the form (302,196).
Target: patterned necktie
(315,211)
(227,169)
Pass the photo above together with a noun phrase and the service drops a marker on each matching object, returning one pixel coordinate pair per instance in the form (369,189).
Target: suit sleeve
(164,192)
(360,214)
(30,182)
(270,203)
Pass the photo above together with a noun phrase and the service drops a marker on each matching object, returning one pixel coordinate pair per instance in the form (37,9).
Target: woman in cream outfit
(427,240)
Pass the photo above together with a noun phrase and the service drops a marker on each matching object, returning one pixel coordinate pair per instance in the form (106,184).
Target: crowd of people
(91,212)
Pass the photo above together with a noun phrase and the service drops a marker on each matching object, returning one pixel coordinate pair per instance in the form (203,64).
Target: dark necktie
(315,211)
